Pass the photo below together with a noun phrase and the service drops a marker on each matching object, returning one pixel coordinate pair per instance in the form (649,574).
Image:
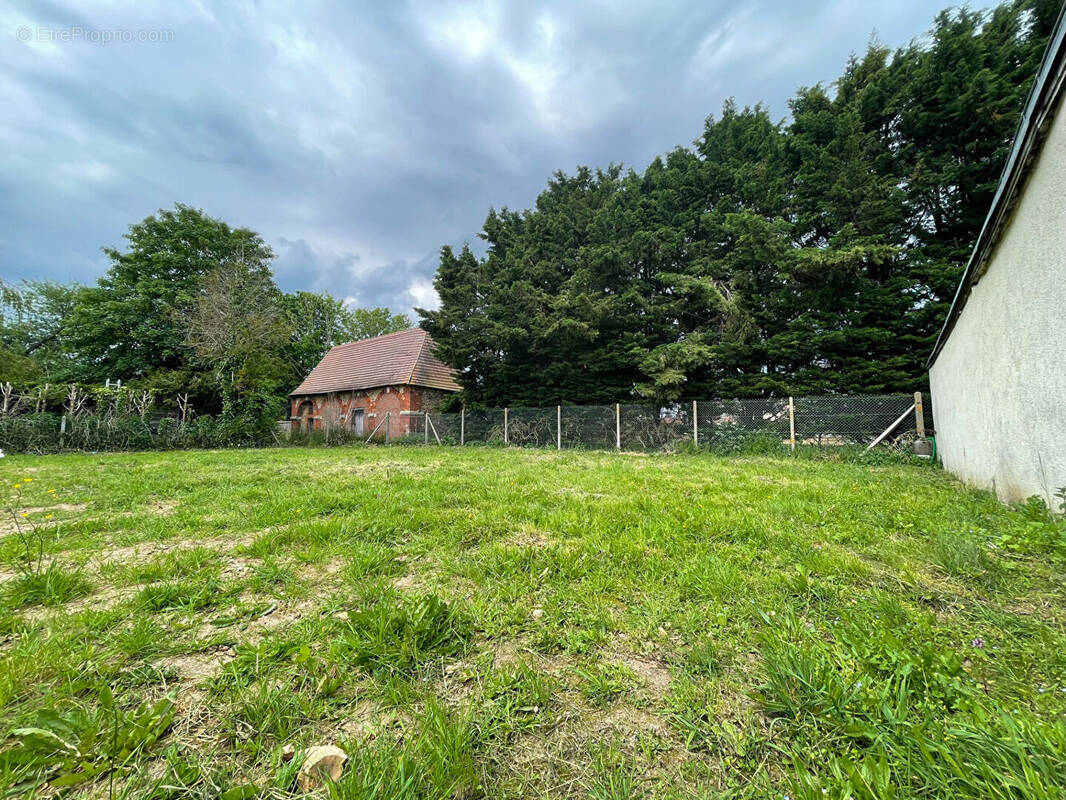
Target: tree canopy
(190,307)
(808,255)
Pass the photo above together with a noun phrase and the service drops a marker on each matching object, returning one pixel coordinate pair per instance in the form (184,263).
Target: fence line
(722,425)
(727,424)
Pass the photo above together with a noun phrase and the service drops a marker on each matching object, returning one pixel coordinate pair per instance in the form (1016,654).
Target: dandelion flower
(48,516)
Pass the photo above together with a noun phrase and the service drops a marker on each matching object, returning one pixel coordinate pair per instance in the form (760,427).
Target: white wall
(999,383)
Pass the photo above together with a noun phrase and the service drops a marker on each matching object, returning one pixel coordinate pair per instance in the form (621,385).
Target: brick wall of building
(337,409)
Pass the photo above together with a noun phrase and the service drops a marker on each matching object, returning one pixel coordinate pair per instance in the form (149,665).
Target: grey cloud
(359,138)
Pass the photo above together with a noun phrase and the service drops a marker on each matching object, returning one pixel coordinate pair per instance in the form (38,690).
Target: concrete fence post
(919,415)
(425,424)
(506,438)
(617,426)
(388,426)
(791,423)
(695,424)
(462,424)
(558,427)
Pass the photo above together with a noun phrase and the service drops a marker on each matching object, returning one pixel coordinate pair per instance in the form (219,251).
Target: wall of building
(999,384)
(336,409)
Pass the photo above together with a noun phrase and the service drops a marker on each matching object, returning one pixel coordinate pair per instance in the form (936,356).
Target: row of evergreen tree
(817,254)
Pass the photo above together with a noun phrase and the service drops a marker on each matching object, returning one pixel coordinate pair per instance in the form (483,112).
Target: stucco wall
(999,384)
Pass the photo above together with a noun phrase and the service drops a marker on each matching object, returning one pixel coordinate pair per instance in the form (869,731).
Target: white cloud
(423,294)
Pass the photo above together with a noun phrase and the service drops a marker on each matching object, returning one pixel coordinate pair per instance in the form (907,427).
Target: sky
(358,138)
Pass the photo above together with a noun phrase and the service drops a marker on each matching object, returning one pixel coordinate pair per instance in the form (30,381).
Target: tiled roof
(395,359)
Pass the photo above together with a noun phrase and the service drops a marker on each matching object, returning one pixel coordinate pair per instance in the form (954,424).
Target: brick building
(356,384)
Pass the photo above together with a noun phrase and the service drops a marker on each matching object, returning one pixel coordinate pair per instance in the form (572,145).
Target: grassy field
(515,623)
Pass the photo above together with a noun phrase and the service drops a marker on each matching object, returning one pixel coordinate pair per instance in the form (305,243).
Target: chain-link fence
(717,424)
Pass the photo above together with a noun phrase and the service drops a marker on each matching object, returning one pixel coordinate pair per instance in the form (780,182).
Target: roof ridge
(375,338)
(417,358)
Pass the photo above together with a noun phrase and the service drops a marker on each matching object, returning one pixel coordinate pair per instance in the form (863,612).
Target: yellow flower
(48,516)
(25,513)
(27,480)
(18,485)
(51,491)
(297,511)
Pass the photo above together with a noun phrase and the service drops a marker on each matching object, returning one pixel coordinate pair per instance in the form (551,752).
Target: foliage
(32,318)
(189,308)
(318,322)
(808,256)
(67,747)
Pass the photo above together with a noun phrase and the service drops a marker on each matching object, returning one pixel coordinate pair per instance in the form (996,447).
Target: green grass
(483,622)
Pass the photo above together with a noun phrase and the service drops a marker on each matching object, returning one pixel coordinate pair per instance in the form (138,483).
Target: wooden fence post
(506,439)
(388,425)
(617,426)
(558,427)
(462,425)
(791,423)
(695,424)
(919,415)
(425,424)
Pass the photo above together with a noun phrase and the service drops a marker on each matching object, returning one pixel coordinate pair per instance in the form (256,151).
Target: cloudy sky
(359,138)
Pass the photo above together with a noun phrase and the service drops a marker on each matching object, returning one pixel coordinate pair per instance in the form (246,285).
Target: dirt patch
(10,524)
(251,631)
(553,757)
(514,651)
(361,721)
(509,652)
(628,721)
(384,469)
(407,583)
(528,538)
(655,675)
(104,600)
(143,551)
(574,492)
(66,507)
(195,668)
(162,508)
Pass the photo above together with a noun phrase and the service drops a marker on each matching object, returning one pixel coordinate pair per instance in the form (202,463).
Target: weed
(73,746)
(397,637)
(53,585)
(187,595)
(602,682)
(515,701)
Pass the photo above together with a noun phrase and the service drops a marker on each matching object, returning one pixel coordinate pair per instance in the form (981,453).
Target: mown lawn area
(482,622)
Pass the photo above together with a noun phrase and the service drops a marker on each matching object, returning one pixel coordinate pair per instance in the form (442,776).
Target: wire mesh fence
(716,424)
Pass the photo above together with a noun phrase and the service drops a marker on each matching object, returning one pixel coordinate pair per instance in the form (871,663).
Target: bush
(43,433)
